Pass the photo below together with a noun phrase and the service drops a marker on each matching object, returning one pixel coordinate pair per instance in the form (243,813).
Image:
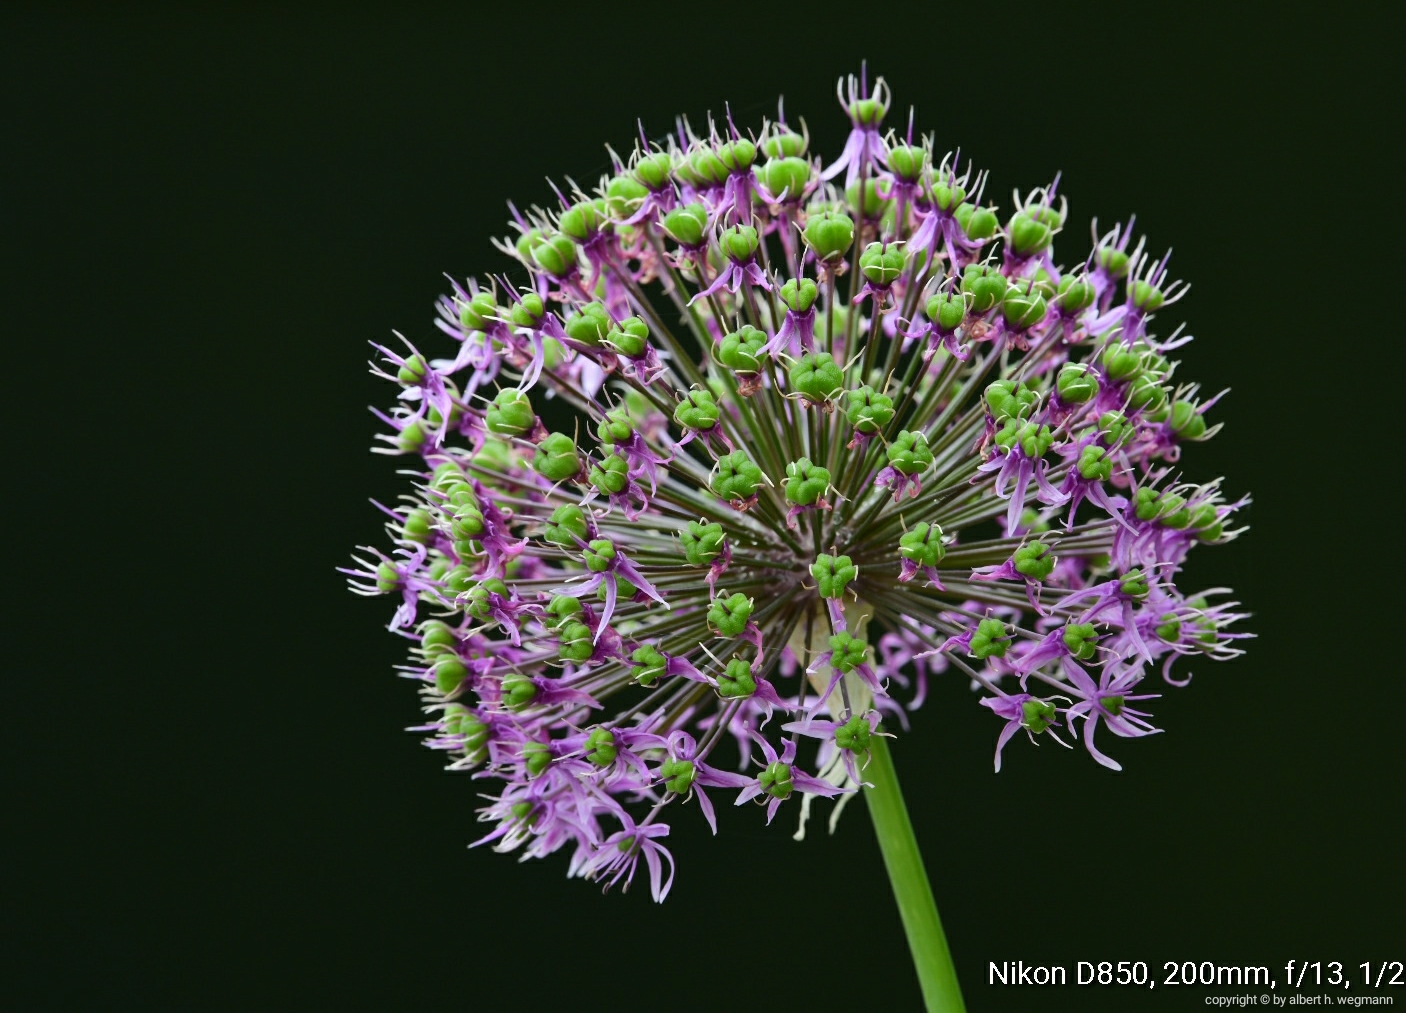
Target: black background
(206,217)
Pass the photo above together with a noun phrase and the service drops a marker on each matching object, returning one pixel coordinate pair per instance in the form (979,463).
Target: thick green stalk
(931,958)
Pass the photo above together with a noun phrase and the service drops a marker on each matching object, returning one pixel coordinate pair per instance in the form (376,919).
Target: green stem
(931,958)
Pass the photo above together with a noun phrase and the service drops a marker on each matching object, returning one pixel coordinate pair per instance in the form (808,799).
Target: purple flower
(675,474)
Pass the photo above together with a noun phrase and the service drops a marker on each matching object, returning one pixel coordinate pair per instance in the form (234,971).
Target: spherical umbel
(840,428)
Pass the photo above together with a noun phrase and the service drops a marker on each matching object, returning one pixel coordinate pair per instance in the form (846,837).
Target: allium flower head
(838,428)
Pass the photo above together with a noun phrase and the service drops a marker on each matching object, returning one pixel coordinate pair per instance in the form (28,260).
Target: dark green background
(205,220)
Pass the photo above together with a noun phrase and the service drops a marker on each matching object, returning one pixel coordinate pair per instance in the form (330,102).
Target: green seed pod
(648,666)
(980,224)
(829,234)
(1034,440)
(1134,584)
(1186,421)
(476,601)
(1074,295)
(736,682)
(524,245)
(475,734)
(736,478)
(867,411)
(788,176)
(598,555)
(799,295)
(418,527)
(566,526)
(576,643)
(590,325)
(908,454)
(1008,398)
(984,287)
(1034,561)
(875,203)
(518,690)
(411,438)
(1023,306)
(739,243)
(623,196)
(847,652)
(947,311)
(555,254)
(458,580)
(1038,715)
(697,411)
(1115,429)
(653,170)
(907,162)
(510,413)
(990,639)
(728,616)
(1081,640)
(1146,297)
(468,552)
(536,756)
(449,674)
(947,195)
(437,638)
(854,735)
(1121,362)
(387,577)
(868,112)
(468,523)
(805,482)
(1146,394)
(1205,521)
(478,312)
(557,458)
(741,351)
(413,373)
(624,591)
(922,544)
(701,542)
(817,377)
(1077,383)
(833,574)
(677,775)
(1028,234)
(776,780)
(528,311)
(706,167)
(1112,261)
(737,155)
(611,476)
(600,747)
(882,263)
(784,144)
(686,225)
(584,220)
(562,609)
(1170,510)
(616,427)
(630,337)
(1095,464)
